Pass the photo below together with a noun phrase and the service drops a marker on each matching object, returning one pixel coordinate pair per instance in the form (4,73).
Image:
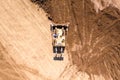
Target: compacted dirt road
(93,42)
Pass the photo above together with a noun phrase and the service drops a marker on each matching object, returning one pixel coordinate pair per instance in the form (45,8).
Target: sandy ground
(26,43)
(93,43)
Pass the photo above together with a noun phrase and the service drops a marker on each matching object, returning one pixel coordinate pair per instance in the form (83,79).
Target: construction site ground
(92,48)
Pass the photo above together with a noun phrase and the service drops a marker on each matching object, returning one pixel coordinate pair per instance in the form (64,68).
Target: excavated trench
(94,38)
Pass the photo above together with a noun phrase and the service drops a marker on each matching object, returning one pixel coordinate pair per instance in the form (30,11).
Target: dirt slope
(93,43)
(94,38)
(25,43)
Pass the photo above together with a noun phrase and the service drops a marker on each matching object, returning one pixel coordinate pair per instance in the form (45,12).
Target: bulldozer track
(74,20)
(106,31)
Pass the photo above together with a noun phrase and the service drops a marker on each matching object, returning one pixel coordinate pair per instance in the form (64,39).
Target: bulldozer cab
(59,33)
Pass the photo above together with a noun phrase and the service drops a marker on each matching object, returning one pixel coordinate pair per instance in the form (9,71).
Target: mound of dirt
(94,38)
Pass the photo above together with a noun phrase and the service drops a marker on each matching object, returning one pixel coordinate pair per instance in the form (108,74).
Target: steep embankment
(25,43)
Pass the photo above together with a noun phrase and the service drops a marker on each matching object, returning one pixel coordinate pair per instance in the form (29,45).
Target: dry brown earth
(93,42)
(94,37)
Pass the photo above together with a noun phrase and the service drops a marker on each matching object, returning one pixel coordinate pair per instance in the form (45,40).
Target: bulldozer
(59,33)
